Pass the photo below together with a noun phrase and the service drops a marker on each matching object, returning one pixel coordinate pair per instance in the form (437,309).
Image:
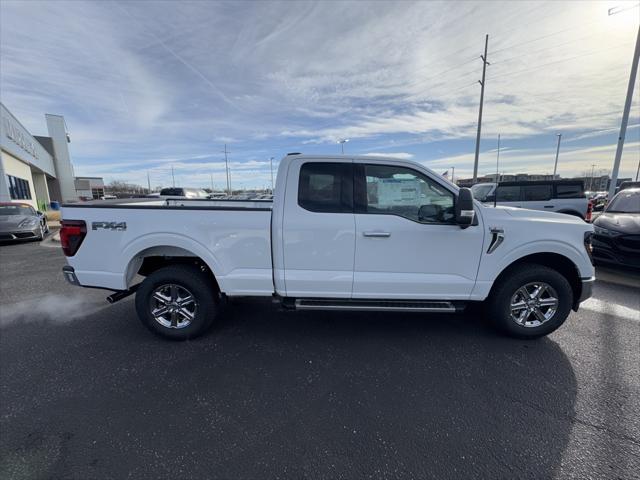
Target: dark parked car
(616,238)
(20,221)
(627,184)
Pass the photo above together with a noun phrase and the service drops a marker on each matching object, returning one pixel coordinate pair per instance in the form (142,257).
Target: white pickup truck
(342,233)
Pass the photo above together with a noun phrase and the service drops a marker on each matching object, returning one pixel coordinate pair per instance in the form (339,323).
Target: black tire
(184,278)
(500,301)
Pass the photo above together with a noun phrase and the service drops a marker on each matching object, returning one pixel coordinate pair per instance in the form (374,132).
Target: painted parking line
(601,306)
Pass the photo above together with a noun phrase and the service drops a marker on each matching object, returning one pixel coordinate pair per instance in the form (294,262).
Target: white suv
(560,196)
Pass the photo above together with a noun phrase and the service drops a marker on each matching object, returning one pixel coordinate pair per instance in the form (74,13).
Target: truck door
(318,231)
(407,243)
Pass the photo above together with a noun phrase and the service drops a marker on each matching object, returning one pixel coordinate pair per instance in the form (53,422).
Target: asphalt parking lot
(87,392)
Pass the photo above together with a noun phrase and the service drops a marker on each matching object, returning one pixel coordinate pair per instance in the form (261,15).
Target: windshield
(15,210)
(625,202)
(480,192)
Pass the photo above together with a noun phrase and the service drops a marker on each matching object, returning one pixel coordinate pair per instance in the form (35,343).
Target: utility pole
(226,162)
(211,177)
(481,82)
(148,182)
(593,166)
(625,115)
(555,167)
(453,173)
(271,160)
(173,177)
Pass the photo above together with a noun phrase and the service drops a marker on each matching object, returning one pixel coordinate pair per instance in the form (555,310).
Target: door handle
(548,206)
(377,234)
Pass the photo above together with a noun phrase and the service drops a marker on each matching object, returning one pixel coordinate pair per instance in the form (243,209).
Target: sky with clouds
(147,85)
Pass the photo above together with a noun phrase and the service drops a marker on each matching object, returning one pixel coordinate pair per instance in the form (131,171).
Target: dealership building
(35,169)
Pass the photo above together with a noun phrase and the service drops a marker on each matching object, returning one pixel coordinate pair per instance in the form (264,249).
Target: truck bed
(232,236)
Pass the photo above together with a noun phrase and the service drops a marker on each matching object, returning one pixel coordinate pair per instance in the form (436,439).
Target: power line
(566,59)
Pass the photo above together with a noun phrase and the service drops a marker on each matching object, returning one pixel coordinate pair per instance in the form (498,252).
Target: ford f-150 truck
(342,233)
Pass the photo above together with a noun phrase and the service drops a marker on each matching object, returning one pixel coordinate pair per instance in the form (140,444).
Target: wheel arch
(558,262)
(150,254)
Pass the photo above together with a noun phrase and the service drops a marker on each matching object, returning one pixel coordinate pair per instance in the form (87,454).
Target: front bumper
(587,288)
(585,292)
(23,234)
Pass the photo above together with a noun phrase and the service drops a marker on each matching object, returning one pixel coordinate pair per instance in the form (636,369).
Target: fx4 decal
(118,226)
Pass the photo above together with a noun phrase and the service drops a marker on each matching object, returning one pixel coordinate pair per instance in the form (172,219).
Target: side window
(569,190)
(508,193)
(19,188)
(407,193)
(537,192)
(326,187)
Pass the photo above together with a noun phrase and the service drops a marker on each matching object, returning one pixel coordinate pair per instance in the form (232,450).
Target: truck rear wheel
(530,302)
(177,302)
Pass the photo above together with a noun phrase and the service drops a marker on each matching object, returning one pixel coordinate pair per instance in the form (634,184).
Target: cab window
(402,191)
(326,187)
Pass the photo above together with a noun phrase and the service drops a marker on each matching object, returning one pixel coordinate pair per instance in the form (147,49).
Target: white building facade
(35,170)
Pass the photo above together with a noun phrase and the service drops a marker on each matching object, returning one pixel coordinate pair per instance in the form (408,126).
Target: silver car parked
(20,221)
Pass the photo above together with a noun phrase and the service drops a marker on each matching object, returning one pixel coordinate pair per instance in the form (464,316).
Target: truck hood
(505,213)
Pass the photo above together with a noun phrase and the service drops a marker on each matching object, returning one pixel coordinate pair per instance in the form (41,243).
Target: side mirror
(428,213)
(40,213)
(464,208)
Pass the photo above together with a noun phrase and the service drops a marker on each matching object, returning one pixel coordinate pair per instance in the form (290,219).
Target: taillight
(587,218)
(72,233)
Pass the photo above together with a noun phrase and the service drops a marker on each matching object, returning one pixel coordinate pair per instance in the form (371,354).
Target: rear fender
(170,244)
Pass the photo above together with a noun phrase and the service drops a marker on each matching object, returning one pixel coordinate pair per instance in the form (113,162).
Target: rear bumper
(70,275)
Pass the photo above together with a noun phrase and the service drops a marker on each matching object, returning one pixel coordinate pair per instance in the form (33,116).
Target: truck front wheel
(177,302)
(531,301)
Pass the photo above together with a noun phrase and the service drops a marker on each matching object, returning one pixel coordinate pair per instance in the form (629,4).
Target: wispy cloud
(143,85)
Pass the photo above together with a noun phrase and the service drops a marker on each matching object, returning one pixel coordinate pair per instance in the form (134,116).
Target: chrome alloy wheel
(173,306)
(534,304)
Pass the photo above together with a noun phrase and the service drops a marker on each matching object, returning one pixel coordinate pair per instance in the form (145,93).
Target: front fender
(492,265)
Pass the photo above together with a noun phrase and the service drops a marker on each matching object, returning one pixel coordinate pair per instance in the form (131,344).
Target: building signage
(19,138)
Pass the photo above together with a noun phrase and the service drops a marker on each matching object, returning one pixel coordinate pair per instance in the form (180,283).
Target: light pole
(593,166)
(498,162)
(555,166)
(342,141)
(627,107)
(271,160)
(453,174)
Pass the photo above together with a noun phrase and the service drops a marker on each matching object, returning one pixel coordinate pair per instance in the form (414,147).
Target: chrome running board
(375,305)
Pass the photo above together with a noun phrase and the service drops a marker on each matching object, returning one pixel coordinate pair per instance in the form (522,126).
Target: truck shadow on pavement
(320,395)
(384,394)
